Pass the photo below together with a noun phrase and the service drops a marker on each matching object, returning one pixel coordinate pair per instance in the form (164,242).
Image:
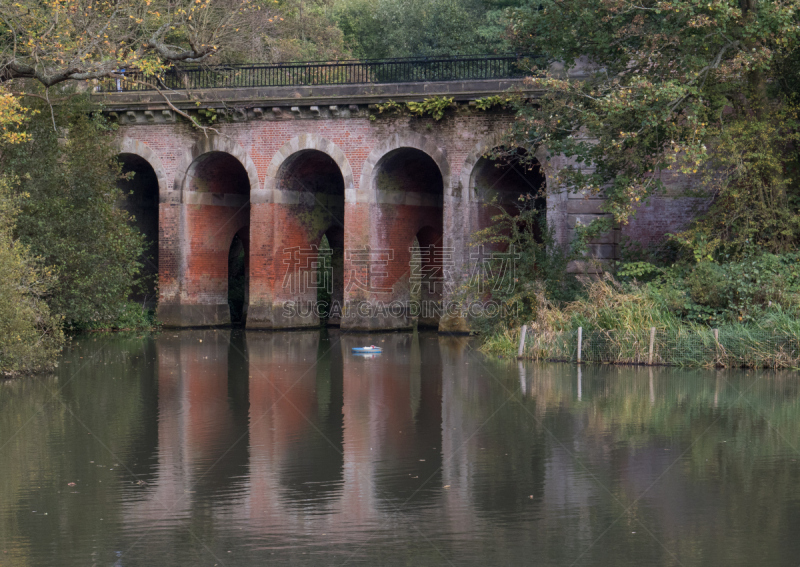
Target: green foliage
(389,107)
(691,87)
(752,173)
(749,291)
(407,28)
(304,30)
(530,269)
(130,317)
(30,335)
(208,115)
(489,102)
(434,106)
(640,271)
(71,219)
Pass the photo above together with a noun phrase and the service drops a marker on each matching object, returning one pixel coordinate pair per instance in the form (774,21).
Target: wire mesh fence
(731,348)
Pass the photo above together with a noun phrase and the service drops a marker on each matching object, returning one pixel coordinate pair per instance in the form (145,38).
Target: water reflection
(233,448)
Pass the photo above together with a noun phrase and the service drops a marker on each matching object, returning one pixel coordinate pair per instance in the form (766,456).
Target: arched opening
(508,182)
(427,275)
(330,293)
(140,199)
(410,191)
(217,192)
(238,275)
(409,170)
(311,188)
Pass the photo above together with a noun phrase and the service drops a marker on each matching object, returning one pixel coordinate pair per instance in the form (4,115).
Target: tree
(70,218)
(405,28)
(671,84)
(30,336)
(54,41)
(307,32)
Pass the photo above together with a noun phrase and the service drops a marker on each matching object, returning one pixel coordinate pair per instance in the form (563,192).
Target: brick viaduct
(289,165)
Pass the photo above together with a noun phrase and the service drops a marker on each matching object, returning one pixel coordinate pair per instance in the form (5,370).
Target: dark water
(226,448)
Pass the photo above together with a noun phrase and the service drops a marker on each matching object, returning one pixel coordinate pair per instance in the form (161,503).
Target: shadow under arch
(140,198)
(289,152)
(507,182)
(409,188)
(143,193)
(307,188)
(216,194)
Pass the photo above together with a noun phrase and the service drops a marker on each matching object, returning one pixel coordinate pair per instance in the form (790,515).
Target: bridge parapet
(296,102)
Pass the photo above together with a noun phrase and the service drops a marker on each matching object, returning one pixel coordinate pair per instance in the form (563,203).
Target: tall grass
(616,324)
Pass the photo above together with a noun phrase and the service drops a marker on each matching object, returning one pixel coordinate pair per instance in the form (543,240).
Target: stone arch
(212,143)
(467,179)
(367,191)
(130,146)
(298,144)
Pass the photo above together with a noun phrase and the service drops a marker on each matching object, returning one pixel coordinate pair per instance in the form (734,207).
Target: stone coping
(323,95)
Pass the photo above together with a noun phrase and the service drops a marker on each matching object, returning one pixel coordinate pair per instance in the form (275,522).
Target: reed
(616,327)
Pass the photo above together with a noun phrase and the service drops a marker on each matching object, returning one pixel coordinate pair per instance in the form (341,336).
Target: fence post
(652,340)
(716,347)
(522,335)
(580,343)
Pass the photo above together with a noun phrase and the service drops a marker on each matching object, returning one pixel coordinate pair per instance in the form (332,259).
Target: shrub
(71,220)
(531,268)
(30,335)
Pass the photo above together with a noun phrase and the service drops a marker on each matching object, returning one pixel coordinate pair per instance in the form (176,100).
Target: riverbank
(689,346)
(614,324)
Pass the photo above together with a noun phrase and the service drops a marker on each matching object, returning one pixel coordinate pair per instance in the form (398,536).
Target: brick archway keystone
(269,192)
(367,191)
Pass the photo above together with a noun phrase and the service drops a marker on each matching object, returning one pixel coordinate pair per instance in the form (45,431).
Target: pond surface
(238,449)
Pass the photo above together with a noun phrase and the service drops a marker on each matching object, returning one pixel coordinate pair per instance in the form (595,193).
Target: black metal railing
(428,69)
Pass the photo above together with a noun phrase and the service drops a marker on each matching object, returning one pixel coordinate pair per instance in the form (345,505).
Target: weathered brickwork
(366,185)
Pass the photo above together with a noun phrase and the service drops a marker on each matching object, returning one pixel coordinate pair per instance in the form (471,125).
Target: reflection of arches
(140,196)
(299,145)
(368,191)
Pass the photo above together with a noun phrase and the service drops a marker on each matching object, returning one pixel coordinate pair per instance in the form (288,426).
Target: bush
(530,269)
(71,219)
(30,335)
(708,285)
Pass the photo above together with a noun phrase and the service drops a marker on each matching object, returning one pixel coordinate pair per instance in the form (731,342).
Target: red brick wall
(194,239)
